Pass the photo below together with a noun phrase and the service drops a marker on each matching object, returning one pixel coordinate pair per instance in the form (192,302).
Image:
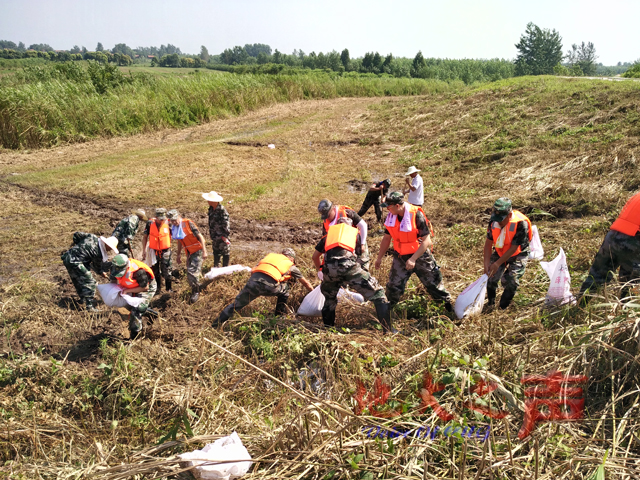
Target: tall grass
(43,113)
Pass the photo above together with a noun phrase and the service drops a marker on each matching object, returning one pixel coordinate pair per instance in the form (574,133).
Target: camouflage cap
(387,182)
(394,198)
(324,207)
(501,208)
(289,252)
(119,265)
(173,214)
(161,213)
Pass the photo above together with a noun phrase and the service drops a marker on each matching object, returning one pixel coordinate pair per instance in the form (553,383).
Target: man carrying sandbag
(408,226)
(509,231)
(189,237)
(127,229)
(340,247)
(620,248)
(330,214)
(272,277)
(137,280)
(88,252)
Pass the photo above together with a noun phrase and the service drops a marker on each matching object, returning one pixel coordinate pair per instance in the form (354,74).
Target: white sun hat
(411,170)
(112,242)
(212,196)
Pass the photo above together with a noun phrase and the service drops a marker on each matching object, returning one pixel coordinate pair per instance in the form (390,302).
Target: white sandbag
(560,281)
(312,304)
(471,300)
(536,252)
(216,272)
(110,293)
(345,295)
(224,449)
(112,296)
(151,257)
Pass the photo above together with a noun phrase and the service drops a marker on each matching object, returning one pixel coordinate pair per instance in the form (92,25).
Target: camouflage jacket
(218,222)
(127,228)
(85,250)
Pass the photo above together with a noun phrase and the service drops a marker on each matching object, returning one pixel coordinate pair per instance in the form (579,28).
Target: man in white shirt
(414,187)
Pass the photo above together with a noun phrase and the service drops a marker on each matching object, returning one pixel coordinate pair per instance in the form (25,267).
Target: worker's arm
(128,291)
(384,246)
(306,283)
(362,228)
(493,268)
(316,259)
(204,245)
(178,258)
(145,237)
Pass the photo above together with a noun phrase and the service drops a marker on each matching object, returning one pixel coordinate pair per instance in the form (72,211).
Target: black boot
(225,260)
(281,308)
(383,313)
(216,260)
(167,283)
(195,294)
(491,301)
(506,298)
(224,315)
(135,324)
(328,317)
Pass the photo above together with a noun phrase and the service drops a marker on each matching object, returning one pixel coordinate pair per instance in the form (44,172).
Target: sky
(442,29)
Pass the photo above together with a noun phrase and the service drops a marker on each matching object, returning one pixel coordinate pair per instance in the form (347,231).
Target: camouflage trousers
(350,274)
(367,204)
(259,285)
(82,279)
(509,274)
(162,267)
(428,273)
(135,319)
(194,268)
(219,246)
(617,250)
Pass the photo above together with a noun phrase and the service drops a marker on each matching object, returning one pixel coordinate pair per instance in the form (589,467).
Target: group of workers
(341,257)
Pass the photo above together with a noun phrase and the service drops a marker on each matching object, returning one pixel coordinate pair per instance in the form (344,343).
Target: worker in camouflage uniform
(272,277)
(137,280)
(509,231)
(189,237)
(340,248)
(330,214)
(620,248)
(88,252)
(218,229)
(407,225)
(158,234)
(127,229)
(375,196)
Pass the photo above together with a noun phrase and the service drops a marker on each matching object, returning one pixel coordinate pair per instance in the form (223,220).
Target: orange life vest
(406,243)
(340,213)
(159,239)
(190,242)
(628,222)
(127,280)
(511,227)
(276,266)
(343,236)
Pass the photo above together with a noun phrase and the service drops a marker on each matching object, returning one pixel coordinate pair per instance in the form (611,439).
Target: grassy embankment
(38,109)
(78,399)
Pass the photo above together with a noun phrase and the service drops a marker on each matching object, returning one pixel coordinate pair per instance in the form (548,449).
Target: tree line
(540,52)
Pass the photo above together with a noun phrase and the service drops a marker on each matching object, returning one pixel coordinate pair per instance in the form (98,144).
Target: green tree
(584,57)
(540,50)
(204,54)
(75,49)
(277,56)
(418,64)
(344,58)
(99,47)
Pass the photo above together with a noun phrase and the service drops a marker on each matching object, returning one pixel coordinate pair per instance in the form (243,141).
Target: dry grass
(79,401)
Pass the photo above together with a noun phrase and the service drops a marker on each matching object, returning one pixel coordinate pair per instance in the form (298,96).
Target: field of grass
(77,399)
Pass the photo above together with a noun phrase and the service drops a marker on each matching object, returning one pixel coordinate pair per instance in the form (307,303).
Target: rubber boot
(224,316)
(167,283)
(225,260)
(195,294)
(328,317)
(491,301)
(383,312)
(506,298)
(281,308)
(216,260)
